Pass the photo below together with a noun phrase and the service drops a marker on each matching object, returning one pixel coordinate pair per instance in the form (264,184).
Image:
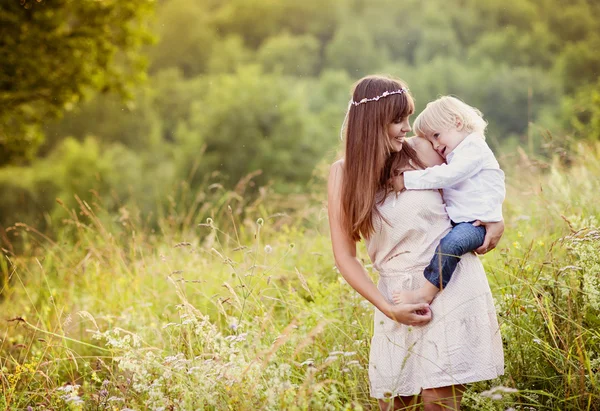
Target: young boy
(472,184)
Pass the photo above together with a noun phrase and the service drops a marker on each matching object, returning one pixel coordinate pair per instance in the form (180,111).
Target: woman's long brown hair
(367,149)
(396,162)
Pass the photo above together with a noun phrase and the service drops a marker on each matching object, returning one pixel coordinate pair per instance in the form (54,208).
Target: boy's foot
(408,297)
(424,294)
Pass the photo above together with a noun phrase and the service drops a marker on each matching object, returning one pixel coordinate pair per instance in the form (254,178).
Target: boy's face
(445,141)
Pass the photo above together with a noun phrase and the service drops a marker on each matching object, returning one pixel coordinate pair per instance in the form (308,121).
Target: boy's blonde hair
(443,113)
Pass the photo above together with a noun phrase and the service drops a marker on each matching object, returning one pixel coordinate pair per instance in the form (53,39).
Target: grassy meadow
(235,303)
(163,224)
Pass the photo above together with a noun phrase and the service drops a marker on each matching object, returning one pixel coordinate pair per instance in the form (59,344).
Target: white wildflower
(495,393)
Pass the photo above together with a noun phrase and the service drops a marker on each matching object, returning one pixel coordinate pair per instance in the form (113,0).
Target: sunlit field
(238,305)
(163,221)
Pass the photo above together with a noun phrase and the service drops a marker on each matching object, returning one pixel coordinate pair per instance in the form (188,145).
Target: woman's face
(397,132)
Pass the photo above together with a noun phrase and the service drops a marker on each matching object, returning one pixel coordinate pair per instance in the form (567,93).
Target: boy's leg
(463,238)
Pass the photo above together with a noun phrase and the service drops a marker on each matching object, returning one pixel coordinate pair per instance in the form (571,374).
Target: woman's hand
(493,234)
(410,314)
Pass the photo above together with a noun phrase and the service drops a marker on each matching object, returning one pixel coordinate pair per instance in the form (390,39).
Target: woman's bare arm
(344,251)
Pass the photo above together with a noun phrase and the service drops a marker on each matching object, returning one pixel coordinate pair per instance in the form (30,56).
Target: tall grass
(235,303)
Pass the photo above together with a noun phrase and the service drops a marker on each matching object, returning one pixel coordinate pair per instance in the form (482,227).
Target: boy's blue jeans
(463,238)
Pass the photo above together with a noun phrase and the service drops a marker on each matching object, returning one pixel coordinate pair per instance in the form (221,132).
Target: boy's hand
(493,234)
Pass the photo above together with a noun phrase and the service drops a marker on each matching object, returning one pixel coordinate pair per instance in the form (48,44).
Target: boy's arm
(465,164)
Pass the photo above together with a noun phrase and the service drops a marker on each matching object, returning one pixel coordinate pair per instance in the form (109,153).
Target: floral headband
(376,98)
(366,100)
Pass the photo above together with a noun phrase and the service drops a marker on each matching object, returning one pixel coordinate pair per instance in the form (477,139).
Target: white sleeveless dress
(462,343)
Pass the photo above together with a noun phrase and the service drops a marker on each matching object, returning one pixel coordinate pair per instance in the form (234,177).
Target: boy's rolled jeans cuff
(463,238)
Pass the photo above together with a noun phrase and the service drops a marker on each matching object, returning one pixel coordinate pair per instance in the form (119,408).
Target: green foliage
(582,111)
(81,171)
(173,98)
(513,47)
(269,128)
(53,52)
(232,56)
(241,16)
(133,124)
(263,126)
(354,50)
(291,55)
(530,66)
(579,64)
(26,196)
(187,38)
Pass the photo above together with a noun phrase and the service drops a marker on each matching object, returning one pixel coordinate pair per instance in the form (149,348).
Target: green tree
(574,20)
(53,52)
(579,64)
(295,55)
(232,55)
(253,20)
(581,112)
(186,37)
(437,37)
(353,49)
(318,18)
(173,98)
(133,123)
(395,26)
(253,121)
(513,47)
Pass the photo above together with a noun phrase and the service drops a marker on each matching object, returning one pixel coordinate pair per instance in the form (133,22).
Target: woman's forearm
(344,247)
(355,274)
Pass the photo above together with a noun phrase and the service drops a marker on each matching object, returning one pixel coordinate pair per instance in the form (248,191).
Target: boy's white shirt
(472,181)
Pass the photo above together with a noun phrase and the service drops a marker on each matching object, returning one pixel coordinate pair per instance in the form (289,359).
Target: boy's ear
(459,124)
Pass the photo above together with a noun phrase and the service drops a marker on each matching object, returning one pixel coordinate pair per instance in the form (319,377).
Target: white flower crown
(376,98)
(366,100)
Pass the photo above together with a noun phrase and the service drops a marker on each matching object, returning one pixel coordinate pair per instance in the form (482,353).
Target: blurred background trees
(53,53)
(260,86)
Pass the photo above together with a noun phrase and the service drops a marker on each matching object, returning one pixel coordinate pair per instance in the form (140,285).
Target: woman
(461,342)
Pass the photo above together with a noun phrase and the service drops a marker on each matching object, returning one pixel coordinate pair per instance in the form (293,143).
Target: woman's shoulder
(336,170)
(338,164)
(336,175)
